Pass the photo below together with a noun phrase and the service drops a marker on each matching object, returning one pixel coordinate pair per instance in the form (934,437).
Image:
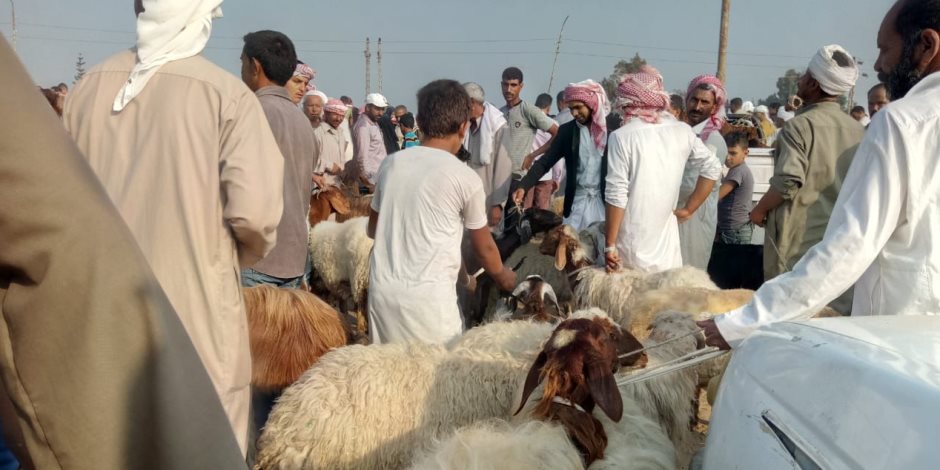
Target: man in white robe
(881,235)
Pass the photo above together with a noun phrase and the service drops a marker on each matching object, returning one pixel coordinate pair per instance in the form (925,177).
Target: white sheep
(340,253)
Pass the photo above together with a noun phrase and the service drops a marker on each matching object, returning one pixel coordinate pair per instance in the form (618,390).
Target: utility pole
(13,19)
(368,68)
(723,39)
(378,57)
(557,51)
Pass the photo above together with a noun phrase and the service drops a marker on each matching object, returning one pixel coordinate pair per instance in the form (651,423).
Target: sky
(425,40)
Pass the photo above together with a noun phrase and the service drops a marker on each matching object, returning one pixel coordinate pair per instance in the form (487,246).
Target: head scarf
(305,71)
(592,94)
(642,95)
(746,108)
(335,106)
(717,120)
(319,93)
(833,78)
(167,30)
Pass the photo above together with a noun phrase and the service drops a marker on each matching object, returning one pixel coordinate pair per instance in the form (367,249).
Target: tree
(620,69)
(79,68)
(786,87)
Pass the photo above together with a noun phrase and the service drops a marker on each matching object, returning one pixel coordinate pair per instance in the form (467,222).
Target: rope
(672,340)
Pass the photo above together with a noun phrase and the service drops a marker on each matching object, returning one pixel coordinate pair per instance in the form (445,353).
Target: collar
(562,401)
(925,83)
(273,90)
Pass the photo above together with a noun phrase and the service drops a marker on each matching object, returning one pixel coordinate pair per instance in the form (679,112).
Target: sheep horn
(547,291)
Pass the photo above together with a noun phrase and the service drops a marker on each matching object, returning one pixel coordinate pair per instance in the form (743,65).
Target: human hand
(758,218)
(527,162)
(495,215)
(506,280)
(518,196)
(613,261)
(683,215)
(712,335)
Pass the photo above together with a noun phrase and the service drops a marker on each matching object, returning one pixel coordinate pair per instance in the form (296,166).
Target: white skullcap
(762,109)
(747,107)
(832,77)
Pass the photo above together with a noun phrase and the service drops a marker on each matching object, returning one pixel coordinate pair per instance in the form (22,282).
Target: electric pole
(368,68)
(557,51)
(378,57)
(13,20)
(723,39)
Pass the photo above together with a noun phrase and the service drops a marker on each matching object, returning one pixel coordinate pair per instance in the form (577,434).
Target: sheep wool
(340,252)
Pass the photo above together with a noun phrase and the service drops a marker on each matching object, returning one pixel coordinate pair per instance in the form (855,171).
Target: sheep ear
(532,380)
(561,253)
(604,390)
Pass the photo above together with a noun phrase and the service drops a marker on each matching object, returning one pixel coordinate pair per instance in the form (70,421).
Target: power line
(674,49)
(673,61)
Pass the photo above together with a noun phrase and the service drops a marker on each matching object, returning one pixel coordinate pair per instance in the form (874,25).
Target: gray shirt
(295,140)
(734,209)
(523,120)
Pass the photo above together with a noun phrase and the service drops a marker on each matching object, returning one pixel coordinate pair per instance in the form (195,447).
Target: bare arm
(614,219)
(771,200)
(726,189)
(703,187)
(527,162)
(485,248)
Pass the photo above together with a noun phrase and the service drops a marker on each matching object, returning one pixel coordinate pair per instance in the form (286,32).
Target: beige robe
(192,166)
(813,154)
(94,361)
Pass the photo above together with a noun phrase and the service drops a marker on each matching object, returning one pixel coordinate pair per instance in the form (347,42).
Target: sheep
(375,406)
(576,365)
(288,330)
(537,299)
(340,253)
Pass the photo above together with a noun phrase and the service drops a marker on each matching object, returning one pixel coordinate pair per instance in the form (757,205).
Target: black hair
(677,102)
(345,99)
(560,96)
(880,85)
(512,73)
(543,101)
(736,102)
(407,120)
(859,109)
(275,52)
(737,139)
(774,105)
(443,106)
(915,16)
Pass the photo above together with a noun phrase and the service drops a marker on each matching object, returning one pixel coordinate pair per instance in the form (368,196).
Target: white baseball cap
(377,100)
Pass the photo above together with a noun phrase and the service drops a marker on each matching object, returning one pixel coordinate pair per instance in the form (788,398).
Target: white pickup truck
(838,393)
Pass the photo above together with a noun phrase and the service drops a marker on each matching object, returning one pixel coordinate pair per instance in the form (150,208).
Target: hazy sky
(474,40)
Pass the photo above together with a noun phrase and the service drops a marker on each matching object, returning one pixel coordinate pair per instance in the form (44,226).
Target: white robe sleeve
(618,173)
(866,213)
(704,160)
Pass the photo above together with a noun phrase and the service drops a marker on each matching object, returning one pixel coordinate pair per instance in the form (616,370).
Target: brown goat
(288,331)
(577,365)
(359,206)
(323,203)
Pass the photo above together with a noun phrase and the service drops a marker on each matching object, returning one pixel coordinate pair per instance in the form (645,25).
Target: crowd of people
(211,179)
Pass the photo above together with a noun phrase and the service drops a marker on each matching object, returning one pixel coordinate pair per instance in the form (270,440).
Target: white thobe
(882,232)
(587,206)
(698,233)
(645,163)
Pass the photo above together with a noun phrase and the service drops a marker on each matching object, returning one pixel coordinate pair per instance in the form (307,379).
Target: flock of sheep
(534,386)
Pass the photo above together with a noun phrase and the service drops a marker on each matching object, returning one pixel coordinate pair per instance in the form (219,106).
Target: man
(523,120)
(814,152)
(400,111)
(330,146)
(268,60)
(858,113)
(489,155)
(418,219)
(705,112)
(184,151)
(541,195)
(881,238)
(582,143)
(299,83)
(312,105)
(762,115)
(564,115)
(877,99)
(97,370)
(368,141)
(734,107)
(647,157)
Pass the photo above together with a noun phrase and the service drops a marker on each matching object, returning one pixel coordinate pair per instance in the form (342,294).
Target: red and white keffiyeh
(717,120)
(592,94)
(642,95)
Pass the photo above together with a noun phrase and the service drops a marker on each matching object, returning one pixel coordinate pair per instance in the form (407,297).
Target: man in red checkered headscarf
(645,163)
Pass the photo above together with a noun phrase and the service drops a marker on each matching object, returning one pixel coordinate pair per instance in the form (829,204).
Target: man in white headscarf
(814,151)
(185,152)
(489,153)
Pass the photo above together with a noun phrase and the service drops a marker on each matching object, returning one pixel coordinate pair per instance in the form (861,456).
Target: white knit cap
(833,78)
(377,100)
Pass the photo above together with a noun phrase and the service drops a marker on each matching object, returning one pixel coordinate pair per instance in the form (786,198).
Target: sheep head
(577,365)
(533,293)
(563,243)
(542,220)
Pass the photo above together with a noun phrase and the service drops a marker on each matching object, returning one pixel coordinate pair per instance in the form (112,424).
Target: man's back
(193,169)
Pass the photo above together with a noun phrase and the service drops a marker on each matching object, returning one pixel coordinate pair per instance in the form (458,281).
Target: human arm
(616,194)
(868,210)
(555,153)
(539,120)
(251,179)
(614,217)
(485,249)
(790,166)
(726,189)
(709,170)
(527,162)
(768,202)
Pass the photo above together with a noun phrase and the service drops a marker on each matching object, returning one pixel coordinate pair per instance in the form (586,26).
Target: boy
(407,124)
(735,193)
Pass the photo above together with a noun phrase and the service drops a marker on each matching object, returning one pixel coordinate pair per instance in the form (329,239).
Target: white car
(837,393)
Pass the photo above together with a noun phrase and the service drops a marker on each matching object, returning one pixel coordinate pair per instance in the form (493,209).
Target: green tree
(79,68)
(621,68)
(786,87)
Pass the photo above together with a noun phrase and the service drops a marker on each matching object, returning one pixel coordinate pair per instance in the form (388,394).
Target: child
(407,124)
(737,189)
